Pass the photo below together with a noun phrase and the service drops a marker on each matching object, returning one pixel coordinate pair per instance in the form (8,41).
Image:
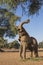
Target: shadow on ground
(35,59)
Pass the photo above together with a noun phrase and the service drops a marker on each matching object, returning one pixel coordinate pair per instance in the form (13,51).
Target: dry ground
(12,58)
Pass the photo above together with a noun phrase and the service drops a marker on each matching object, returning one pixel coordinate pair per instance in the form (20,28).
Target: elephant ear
(24,22)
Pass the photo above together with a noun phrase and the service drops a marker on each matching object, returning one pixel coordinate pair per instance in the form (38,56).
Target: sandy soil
(12,58)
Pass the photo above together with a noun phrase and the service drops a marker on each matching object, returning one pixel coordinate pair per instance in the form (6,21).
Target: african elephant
(26,42)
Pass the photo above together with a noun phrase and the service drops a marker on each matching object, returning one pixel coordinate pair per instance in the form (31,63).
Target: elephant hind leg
(36,52)
(31,53)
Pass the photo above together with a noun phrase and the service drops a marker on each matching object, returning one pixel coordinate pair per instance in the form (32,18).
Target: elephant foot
(21,57)
(24,58)
(36,55)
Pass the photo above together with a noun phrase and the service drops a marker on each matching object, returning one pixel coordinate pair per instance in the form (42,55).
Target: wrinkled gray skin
(26,42)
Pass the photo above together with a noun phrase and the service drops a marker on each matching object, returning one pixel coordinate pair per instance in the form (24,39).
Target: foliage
(7,20)
(14,44)
(4,44)
(41,45)
(32,6)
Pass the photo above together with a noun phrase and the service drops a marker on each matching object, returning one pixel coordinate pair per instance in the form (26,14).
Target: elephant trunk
(24,22)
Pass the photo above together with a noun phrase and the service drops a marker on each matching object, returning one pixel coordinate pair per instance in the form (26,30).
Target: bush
(41,45)
(14,44)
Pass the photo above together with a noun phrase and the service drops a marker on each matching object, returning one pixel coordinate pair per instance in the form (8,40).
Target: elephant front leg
(24,50)
(31,53)
(20,51)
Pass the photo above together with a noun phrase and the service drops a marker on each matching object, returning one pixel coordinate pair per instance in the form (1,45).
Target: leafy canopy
(7,18)
(32,6)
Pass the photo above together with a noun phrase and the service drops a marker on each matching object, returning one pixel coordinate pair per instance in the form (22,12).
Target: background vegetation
(8,17)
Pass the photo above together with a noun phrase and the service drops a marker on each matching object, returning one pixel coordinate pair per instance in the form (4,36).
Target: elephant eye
(18,29)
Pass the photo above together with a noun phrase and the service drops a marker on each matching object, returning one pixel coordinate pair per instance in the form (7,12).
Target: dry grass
(12,58)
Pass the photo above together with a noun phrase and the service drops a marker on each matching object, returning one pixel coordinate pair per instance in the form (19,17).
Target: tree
(1,42)
(8,18)
(32,6)
(41,44)
(6,25)
(6,22)
(14,44)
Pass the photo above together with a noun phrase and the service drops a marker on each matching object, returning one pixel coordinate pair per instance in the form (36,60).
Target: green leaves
(7,22)
(32,6)
(7,18)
